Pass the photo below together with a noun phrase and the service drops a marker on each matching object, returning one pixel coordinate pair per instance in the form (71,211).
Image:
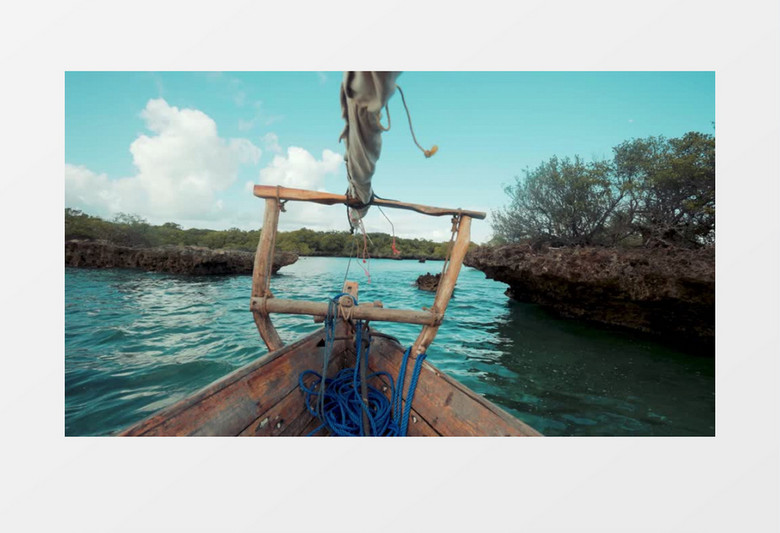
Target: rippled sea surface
(136,342)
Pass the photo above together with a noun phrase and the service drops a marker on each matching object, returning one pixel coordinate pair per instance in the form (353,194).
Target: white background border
(723,483)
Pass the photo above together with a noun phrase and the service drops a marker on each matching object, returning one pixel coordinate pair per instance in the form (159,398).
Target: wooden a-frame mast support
(263,302)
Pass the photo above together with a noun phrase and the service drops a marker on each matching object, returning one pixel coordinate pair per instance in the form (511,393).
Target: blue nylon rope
(338,403)
(412,388)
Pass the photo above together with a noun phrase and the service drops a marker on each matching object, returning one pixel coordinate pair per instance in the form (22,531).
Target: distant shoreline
(189,260)
(133,231)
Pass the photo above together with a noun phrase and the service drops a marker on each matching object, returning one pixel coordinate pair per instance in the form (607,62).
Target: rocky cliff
(428,282)
(664,291)
(193,260)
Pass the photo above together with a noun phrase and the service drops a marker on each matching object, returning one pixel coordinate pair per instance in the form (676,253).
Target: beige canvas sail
(363,95)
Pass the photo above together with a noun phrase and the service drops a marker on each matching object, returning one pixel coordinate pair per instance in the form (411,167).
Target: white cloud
(409,224)
(89,191)
(183,167)
(259,116)
(319,217)
(158,83)
(180,169)
(300,169)
(271,142)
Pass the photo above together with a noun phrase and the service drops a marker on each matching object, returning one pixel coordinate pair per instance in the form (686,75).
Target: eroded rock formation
(428,282)
(664,291)
(192,260)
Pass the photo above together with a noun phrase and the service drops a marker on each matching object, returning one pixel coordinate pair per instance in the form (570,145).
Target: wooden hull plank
(312,424)
(418,426)
(449,407)
(225,407)
(263,398)
(281,418)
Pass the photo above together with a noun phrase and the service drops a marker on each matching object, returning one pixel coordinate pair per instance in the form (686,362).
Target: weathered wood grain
(261,274)
(231,403)
(418,426)
(302,195)
(365,311)
(311,425)
(297,425)
(446,285)
(449,407)
(278,419)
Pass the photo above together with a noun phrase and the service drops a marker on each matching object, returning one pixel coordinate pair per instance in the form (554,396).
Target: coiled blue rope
(339,403)
(344,407)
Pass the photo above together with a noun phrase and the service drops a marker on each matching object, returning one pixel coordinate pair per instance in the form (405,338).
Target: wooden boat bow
(265,396)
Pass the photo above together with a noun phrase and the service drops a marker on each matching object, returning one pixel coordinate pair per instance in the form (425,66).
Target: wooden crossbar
(359,312)
(302,195)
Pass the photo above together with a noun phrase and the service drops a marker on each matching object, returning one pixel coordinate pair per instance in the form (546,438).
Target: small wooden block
(351,287)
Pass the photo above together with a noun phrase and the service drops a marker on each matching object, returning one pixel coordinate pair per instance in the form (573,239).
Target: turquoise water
(136,342)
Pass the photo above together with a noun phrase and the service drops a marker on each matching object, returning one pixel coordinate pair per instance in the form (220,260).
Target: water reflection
(573,378)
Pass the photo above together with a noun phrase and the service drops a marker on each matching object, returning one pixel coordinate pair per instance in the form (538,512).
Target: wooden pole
(302,195)
(261,275)
(446,285)
(366,311)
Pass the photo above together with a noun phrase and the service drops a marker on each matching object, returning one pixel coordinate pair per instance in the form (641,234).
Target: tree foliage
(654,190)
(673,194)
(131,230)
(566,201)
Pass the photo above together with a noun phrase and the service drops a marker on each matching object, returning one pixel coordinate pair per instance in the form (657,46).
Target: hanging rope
(402,417)
(379,119)
(434,148)
(392,229)
(354,251)
(338,402)
(366,255)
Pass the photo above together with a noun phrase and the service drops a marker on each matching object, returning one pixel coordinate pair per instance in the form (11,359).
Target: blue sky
(185,146)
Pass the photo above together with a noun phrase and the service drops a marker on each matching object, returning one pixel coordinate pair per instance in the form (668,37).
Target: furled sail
(363,95)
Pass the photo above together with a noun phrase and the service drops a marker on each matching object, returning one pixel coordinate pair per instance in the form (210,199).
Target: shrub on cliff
(562,200)
(654,191)
(672,198)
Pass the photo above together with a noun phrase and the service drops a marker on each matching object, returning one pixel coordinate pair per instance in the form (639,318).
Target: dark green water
(136,342)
